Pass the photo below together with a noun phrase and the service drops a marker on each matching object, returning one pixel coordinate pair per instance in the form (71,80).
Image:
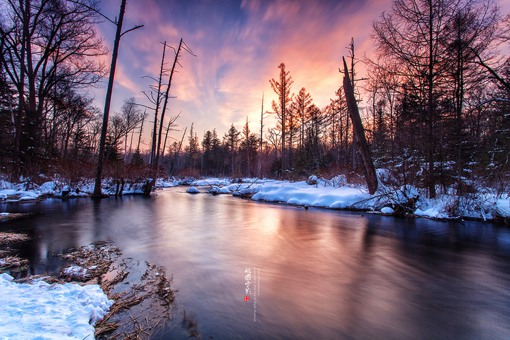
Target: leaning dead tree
(359,132)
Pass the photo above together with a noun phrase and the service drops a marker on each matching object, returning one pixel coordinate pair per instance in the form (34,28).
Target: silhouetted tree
(281,108)
(46,43)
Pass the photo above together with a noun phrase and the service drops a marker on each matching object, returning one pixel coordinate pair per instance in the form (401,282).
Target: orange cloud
(239,46)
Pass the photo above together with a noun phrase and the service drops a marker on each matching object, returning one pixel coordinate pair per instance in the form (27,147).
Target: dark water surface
(314,274)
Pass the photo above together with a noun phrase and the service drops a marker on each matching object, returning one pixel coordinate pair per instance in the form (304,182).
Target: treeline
(436,107)
(50,56)
(436,104)
(439,90)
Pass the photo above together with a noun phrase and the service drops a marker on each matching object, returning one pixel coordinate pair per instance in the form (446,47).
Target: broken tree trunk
(176,60)
(359,132)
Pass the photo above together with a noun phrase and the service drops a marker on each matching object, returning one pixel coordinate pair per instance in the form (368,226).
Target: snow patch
(300,193)
(387,211)
(503,207)
(215,190)
(70,310)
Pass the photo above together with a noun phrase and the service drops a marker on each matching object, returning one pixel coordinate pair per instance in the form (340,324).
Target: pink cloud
(234,62)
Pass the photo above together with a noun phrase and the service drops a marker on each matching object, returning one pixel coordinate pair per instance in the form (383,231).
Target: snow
(387,211)
(335,193)
(300,193)
(84,188)
(75,271)
(166,183)
(503,207)
(192,190)
(219,190)
(44,311)
(210,182)
(433,212)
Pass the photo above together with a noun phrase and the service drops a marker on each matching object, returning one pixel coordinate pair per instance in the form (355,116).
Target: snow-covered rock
(192,190)
(48,187)
(387,211)
(312,180)
(215,190)
(210,182)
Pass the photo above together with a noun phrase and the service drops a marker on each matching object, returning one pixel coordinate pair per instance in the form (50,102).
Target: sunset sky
(239,45)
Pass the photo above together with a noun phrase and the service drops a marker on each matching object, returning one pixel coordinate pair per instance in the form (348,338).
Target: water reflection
(323,274)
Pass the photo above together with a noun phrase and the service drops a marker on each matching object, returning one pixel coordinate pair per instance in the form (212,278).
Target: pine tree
(282,107)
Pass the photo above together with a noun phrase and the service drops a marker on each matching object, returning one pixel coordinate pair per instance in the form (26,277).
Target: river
(252,270)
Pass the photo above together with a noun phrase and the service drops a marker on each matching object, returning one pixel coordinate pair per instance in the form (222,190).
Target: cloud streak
(239,45)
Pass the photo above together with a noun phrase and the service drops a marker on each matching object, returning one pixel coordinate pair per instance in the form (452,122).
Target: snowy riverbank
(27,190)
(55,311)
(50,311)
(486,204)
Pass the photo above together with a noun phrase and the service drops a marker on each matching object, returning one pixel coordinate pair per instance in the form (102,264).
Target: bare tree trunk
(430,109)
(140,135)
(97,186)
(130,144)
(261,137)
(170,122)
(178,150)
(158,99)
(165,104)
(370,174)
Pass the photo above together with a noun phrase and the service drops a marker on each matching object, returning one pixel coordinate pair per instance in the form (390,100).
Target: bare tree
(118,34)
(44,43)
(370,174)
(131,116)
(411,35)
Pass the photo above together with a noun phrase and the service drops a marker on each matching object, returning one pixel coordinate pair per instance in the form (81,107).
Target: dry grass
(13,264)
(137,289)
(8,261)
(9,238)
(96,260)
(141,289)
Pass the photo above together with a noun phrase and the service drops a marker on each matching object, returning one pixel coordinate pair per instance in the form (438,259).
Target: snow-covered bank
(29,191)
(300,193)
(338,194)
(50,311)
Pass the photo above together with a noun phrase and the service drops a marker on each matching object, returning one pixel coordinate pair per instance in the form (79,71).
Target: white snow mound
(44,311)
(192,190)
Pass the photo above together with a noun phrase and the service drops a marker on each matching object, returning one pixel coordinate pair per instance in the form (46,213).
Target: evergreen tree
(281,108)
(231,141)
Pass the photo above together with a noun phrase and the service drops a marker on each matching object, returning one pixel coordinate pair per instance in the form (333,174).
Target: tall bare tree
(411,34)
(44,43)
(104,130)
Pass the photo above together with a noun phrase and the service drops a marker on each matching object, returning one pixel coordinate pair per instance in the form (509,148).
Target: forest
(435,104)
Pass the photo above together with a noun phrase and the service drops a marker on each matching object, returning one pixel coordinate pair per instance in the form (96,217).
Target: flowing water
(251,270)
